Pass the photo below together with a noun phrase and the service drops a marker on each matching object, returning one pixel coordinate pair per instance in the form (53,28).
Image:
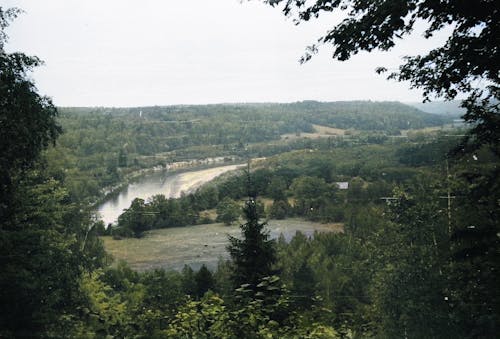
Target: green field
(171,248)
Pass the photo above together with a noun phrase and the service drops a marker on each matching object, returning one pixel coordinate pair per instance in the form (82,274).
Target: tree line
(424,265)
(303,183)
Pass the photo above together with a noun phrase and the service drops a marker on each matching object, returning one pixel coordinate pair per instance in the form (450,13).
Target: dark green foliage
(309,193)
(328,274)
(228,211)
(411,287)
(475,246)
(268,315)
(157,212)
(426,153)
(46,244)
(120,277)
(163,289)
(122,158)
(27,120)
(276,188)
(484,116)
(99,228)
(188,282)
(46,241)
(304,286)
(204,281)
(253,255)
(467,63)
(162,294)
(280,209)
(137,218)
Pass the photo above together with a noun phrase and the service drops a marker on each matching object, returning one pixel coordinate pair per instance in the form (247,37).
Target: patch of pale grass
(171,248)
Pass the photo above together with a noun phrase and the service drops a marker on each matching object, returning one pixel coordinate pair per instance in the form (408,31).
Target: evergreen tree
(253,256)
(204,281)
(188,282)
(304,285)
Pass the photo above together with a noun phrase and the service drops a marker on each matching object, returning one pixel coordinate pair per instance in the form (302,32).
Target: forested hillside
(100,146)
(448,108)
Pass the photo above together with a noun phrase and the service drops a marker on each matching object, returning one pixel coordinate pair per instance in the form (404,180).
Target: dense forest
(301,183)
(419,203)
(100,146)
(368,281)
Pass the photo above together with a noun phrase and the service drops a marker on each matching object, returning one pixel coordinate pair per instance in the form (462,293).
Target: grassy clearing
(171,248)
(320,132)
(325,130)
(425,130)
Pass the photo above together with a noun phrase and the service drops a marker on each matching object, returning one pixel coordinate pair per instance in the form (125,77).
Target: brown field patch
(320,132)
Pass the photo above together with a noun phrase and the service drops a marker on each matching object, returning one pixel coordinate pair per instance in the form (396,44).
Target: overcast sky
(161,52)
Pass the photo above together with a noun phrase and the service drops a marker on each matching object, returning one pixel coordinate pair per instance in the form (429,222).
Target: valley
(200,169)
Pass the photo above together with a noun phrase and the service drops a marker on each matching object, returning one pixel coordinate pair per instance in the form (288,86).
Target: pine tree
(204,281)
(253,256)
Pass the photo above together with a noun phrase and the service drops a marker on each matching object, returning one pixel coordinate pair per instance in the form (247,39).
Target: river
(169,184)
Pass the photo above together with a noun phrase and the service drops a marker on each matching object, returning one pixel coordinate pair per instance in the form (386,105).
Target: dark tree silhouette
(27,120)
(253,256)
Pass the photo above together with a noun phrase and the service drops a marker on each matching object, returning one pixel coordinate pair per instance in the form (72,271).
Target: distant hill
(284,117)
(367,115)
(448,108)
(100,145)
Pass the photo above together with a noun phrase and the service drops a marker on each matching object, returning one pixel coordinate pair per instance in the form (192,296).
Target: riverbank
(109,192)
(168,183)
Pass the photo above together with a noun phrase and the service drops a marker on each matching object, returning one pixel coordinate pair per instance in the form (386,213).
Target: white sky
(161,52)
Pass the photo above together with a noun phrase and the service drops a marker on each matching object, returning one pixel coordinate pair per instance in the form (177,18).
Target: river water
(172,248)
(169,184)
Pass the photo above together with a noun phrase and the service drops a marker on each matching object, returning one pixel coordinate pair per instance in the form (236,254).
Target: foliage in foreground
(420,269)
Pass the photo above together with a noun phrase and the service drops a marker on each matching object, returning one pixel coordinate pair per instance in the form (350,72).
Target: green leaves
(42,257)
(252,257)
(467,63)
(207,318)
(412,251)
(228,211)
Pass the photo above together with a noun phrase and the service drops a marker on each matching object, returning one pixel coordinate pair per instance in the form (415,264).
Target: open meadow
(172,248)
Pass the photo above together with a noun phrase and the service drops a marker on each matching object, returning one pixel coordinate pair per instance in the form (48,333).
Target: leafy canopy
(466,63)
(27,120)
